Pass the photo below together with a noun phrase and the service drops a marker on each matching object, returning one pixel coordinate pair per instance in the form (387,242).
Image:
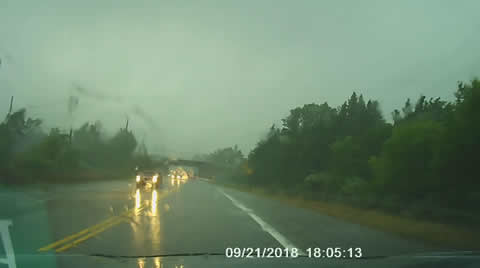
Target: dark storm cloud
(219,73)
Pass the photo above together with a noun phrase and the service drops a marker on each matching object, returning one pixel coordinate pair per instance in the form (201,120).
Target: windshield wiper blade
(196,254)
(157,255)
(418,255)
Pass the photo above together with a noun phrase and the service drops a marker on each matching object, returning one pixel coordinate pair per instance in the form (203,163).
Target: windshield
(273,130)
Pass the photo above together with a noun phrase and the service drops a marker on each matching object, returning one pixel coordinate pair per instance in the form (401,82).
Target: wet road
(113,218)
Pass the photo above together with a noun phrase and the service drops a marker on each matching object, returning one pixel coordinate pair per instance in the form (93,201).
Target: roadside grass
(437,235)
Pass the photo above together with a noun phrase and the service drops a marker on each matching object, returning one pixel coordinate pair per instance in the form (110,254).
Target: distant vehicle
(148,178)
(179,174)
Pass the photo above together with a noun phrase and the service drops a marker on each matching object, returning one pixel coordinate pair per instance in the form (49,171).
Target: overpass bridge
(204,169)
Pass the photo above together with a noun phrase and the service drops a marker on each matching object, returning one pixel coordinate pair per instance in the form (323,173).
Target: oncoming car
(178,176)
(148,178)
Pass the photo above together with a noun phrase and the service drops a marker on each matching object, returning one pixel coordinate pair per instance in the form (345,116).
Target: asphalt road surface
(112,218)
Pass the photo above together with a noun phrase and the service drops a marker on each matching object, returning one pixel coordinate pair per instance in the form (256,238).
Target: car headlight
(137,178)
(154,179)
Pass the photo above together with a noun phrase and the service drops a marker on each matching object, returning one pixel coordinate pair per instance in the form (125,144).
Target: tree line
(228,157)
(424,163)
(29,154)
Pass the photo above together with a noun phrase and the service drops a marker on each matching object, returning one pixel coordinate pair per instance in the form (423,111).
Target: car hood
(81,261)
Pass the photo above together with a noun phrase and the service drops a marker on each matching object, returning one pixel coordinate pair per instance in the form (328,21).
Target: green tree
(406,163)
(226,157)
(457,165)
(50,157)
(90,145)
(16,131)
(121,147)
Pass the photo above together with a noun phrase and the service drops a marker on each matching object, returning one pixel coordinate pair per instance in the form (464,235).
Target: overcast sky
(197,75)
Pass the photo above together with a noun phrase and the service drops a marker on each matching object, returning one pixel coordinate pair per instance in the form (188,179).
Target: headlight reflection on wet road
(137,199)
(154,202)
(146,225)
(141,263)
(156,261)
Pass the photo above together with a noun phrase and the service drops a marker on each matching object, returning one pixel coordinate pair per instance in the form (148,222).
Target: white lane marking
(265,226)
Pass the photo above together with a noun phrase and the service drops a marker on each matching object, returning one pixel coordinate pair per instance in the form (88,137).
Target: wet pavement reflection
(115,224)
(150,205)
(158,262)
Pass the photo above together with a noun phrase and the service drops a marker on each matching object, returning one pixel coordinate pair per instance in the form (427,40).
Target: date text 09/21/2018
(328,252)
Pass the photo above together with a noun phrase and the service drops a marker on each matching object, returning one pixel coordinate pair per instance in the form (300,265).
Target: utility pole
(70,135)
(126,125)
(143,146)
(11,107)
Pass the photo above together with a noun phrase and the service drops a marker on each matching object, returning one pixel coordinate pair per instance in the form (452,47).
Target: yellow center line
(90,235)
(106,222)
(94,230)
